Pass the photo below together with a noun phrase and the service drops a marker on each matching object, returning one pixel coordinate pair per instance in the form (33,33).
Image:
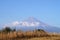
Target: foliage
(7,29)
(40,30)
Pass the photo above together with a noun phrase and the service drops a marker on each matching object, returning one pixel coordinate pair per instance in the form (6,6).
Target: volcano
(32,23)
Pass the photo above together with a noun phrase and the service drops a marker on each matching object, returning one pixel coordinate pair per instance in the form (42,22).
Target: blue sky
(48,11)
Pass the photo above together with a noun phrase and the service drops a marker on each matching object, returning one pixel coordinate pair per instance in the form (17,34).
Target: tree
(7,29)
(40,30)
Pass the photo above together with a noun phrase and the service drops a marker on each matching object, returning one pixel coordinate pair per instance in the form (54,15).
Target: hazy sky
(48,11)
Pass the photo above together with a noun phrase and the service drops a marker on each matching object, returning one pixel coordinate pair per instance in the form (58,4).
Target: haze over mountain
(31,24)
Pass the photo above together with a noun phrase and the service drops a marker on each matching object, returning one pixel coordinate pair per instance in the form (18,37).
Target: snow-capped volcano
(32,23)
(29,22)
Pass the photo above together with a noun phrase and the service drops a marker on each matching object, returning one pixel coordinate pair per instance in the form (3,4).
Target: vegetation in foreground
(39,34)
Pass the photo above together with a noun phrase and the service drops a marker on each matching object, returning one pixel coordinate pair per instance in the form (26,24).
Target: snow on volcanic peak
(31,21)
(30,24)
(12,24)
(35,21)
(15,23)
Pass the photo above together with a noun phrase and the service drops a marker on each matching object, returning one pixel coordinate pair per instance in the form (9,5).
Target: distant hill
(31,24)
